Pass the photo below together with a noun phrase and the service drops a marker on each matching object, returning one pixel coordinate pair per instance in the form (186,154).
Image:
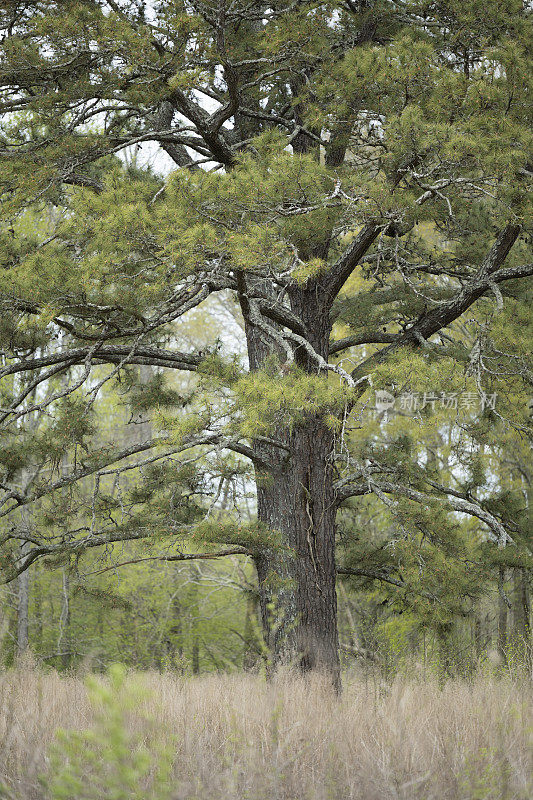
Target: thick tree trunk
(297,585)
(296,499)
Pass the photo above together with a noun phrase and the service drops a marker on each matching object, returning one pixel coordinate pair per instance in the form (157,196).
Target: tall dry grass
(239,737)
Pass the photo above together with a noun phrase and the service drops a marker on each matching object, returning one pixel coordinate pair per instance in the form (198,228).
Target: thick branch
(74,477)
(446,312)
(113,354)
(78,475)
(99,540)
(448,499)
(356,340)
(335,278)
(442,315)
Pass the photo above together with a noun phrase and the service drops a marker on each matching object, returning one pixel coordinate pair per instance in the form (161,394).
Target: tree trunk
(521,614)
(194,611)
(23,599)
(23,608)
(478,636)
(296,499)
(195,655)
(297,585)
(63,640)
(502,616)
(38,610)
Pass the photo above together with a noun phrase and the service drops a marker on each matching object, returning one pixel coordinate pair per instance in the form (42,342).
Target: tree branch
(442,315)
(446,312)
(335,278)
(234,551)
(448,499)
(356,340)
(113,354)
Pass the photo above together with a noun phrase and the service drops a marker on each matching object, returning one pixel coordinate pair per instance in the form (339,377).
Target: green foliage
(268,399)
(252,535)
(110,761)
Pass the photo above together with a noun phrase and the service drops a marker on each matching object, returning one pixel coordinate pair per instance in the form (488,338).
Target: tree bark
(194,610)
(38,611)
(176,630)
(23,598)
(23,608)
(296,499)
(502,615)
(64,639)
(297,585)
(521,614)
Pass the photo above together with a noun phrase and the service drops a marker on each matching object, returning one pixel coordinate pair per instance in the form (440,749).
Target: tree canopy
(350,182)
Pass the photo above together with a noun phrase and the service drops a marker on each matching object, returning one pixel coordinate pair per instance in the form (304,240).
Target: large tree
(362,165)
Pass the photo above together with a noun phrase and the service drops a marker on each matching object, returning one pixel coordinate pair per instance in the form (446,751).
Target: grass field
(239,737)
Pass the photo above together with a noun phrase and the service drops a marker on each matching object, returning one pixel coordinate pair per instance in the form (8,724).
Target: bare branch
(234,551)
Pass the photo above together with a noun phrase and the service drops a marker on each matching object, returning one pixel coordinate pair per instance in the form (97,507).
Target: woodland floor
(237,737)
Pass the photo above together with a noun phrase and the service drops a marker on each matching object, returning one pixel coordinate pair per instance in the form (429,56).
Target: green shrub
(122,757)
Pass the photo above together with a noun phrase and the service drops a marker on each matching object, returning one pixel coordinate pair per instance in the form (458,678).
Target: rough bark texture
(297,586)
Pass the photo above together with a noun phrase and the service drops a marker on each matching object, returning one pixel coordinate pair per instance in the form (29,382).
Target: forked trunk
(296,499)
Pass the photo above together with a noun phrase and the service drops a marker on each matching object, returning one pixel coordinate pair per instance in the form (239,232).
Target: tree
(335,164)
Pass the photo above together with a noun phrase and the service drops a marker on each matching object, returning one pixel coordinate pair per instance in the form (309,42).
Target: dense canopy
(235,223)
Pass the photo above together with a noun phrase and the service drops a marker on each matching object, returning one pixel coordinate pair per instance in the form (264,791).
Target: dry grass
(238,737)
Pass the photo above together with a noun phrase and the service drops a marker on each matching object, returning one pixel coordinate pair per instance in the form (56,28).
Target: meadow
(239,737)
